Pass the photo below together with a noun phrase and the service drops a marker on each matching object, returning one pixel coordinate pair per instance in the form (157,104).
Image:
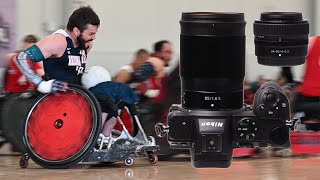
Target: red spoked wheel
(62,128)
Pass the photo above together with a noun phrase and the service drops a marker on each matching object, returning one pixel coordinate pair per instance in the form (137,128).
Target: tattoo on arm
(22,62)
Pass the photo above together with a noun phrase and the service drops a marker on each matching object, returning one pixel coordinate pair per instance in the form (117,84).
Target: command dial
(247,129)
(270,98)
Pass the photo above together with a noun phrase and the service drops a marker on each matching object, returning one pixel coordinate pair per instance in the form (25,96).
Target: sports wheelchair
(62,129)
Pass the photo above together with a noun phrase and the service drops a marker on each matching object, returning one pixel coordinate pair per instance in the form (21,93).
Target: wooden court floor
(297,168)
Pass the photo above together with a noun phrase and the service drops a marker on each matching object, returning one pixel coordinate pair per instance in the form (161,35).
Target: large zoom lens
(281,38)
(212,60)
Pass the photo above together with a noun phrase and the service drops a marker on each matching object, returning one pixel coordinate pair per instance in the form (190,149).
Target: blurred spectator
(248,94)
(150,87)
(15,81)
(308,96)
(309,90)
(125,73)
(287,73)
(256,84)
(163,50)
(155,65)
(155,88)
(285,76)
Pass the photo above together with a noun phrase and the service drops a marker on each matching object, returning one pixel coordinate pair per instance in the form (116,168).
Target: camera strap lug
(293,124)
(161,129)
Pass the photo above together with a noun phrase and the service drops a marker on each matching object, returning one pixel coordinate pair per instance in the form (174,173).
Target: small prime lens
(212,60)
(281,38)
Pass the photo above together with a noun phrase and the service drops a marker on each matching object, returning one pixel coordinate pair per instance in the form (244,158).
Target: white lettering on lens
(278,51)
(212,98)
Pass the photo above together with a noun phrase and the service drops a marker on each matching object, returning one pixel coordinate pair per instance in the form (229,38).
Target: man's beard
(82,42)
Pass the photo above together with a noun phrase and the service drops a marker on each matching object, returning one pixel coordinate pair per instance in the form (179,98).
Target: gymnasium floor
(300,168)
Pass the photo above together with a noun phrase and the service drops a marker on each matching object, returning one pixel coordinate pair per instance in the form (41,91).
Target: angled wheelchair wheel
(62,128)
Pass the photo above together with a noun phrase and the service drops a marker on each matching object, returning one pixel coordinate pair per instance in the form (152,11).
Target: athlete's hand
(52,86)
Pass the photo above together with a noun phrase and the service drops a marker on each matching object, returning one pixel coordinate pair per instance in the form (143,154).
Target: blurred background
(130,25)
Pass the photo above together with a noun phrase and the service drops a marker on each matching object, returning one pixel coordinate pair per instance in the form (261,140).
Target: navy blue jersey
(70,66)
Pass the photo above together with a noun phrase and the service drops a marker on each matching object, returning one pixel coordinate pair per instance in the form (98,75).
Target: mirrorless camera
(212,118)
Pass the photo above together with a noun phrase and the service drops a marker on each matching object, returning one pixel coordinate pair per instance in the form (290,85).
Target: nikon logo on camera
(207,125)
(212,124)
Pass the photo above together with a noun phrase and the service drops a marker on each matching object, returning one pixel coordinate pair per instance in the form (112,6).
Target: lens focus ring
(281,29)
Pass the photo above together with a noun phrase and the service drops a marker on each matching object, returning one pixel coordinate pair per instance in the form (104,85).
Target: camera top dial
(247,128)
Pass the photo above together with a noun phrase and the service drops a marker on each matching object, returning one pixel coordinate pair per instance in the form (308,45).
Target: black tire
(50,160)
(23,163)
(13,113)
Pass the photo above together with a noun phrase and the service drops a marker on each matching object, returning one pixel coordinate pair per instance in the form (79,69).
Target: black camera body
(212,135)
(212,118)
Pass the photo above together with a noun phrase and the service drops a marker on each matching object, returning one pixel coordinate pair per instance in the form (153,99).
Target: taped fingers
(52,86)
(59,86)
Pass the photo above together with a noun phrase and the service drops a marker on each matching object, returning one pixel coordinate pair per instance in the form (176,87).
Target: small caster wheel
(153,158)
(128,161)
(24,161)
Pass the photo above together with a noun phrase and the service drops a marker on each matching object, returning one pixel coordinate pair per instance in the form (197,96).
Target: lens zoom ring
(270,61)
(280,29)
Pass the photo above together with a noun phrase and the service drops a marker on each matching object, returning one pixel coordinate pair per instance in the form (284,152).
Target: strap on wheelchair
(107,102)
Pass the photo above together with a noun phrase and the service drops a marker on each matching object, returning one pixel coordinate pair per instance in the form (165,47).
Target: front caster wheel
(24,161)
(128,161)
(152,158)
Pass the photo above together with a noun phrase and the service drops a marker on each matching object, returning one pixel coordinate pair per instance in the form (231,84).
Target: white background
(127,25)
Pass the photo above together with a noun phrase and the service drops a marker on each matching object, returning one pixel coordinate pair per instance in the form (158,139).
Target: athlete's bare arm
(50,46)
